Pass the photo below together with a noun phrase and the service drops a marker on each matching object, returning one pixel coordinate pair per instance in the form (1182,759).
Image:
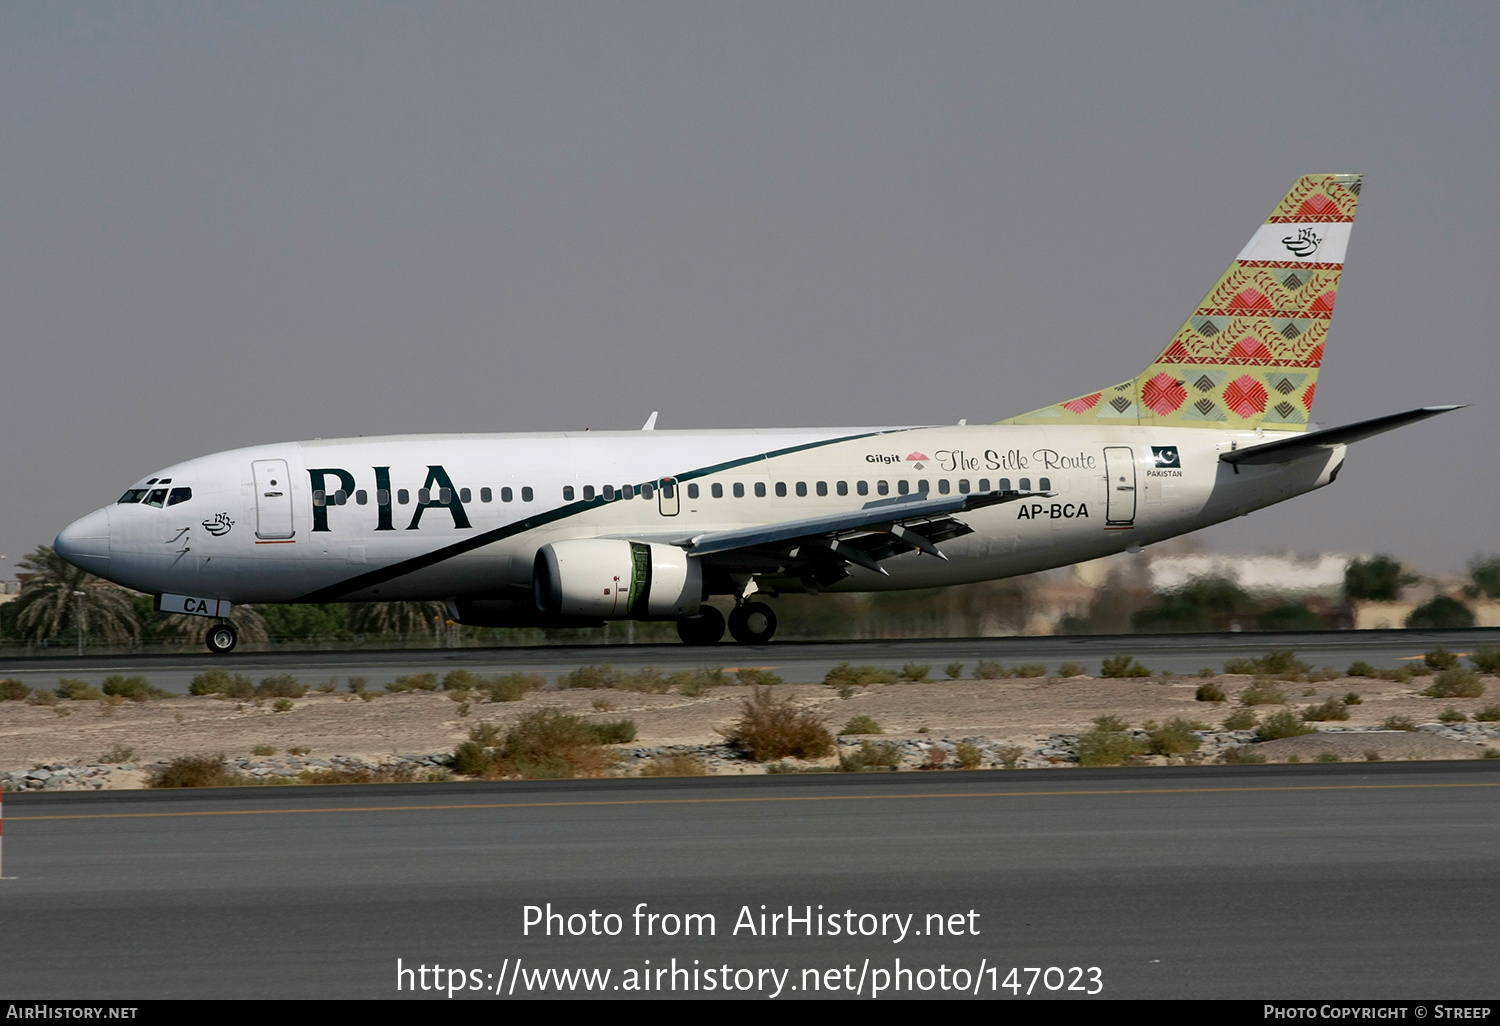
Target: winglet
(650,424)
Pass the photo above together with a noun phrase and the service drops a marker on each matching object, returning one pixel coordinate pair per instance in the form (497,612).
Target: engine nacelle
(607,579)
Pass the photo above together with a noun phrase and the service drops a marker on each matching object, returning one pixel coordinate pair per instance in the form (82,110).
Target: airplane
(580,528)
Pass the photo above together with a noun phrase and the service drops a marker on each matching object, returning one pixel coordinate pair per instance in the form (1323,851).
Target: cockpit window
(179,495)
(134,495)
(158,497)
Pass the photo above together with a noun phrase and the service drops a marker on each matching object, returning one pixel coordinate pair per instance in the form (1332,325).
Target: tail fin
(1249,355)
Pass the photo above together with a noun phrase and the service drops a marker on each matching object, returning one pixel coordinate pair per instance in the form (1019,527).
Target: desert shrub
(1486,660)
(1319,676)
(1333,709)
(357,685)
(1400,675)
(1282,724)
(78,690)
(648,679)
(858,676)
(283,705)
(221,682)
(1279,662)
(401,774)
(870,755)
(1110,743)
(937,758)
(1327,757)
(1010,756)
(614,732)
(679,765)
(263,750)
(328,686)
(413,682)
(1352,698)
(915,671)
(461,680)
(1244,755)
(987,669)
(757,677)
(117,754)
(595,675)
(42,696)
(1487,714)
(193,771)
(954,670)
(1262,693)
(1452,715)
(1072,670)
(1398,723)
(1029,670)
(862,725)
(1122,666)
(12,690)
(1455,682)
(1309,692)
(1360,668)
(1175,737)
(543,744)
(772,728)
(1210,693)
(1419,669)
(1372,755)
(969,755)
(694,683)
(284,685)
(136,688)
(1440,659)
(1240,719)
(510,687)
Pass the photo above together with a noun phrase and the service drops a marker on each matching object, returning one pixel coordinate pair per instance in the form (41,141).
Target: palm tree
(52,596)
(403,618)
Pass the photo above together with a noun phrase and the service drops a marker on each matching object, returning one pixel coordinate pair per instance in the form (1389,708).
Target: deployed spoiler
(1287,449)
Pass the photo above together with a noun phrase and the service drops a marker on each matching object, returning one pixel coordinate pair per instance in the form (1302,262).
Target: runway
(1355,881)
(794,661)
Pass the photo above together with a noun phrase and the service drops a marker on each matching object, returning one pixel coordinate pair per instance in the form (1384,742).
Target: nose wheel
(752,623)
(704,629)
(222,637)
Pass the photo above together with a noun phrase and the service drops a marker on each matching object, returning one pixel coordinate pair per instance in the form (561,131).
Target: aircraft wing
(1287,449)
(821,549)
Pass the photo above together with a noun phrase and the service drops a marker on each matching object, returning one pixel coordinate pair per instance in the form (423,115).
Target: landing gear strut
(752,623)
(222,637)
(704,629)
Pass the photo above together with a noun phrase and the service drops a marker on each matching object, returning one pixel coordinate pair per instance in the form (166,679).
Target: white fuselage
(366,518)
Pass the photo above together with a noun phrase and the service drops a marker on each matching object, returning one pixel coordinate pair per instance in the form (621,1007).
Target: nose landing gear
(222,637)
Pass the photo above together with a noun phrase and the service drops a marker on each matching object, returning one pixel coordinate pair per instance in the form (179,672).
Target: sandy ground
(1020,712)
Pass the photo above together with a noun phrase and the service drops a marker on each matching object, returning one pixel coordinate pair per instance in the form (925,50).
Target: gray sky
(237,223)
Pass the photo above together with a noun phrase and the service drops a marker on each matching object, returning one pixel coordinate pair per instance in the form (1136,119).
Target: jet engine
(607,579)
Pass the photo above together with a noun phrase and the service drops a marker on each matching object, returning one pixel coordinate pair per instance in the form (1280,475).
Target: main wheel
(704,629)
(222,637)
(752,623)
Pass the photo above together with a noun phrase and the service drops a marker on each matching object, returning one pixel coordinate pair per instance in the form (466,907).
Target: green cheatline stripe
(333,592)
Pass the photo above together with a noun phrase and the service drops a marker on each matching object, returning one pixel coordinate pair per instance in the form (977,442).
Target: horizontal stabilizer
(1288,449)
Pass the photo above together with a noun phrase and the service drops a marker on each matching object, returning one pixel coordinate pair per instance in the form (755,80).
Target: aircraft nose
(85,543)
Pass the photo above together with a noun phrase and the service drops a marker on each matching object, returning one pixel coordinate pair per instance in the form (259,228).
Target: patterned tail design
(1249,355)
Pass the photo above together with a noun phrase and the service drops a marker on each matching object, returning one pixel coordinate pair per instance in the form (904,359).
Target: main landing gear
(222,637)
(752,623)
(704,629)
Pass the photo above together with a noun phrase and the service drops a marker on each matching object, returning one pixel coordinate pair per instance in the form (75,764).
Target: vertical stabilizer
(1249,355)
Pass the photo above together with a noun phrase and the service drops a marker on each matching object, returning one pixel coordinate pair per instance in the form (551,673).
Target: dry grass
(772,728)
(679,765)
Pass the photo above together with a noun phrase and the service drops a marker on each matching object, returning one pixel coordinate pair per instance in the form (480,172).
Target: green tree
(1203,604)
(1377,579)
(1441,613)
(1484,577)
(49,603)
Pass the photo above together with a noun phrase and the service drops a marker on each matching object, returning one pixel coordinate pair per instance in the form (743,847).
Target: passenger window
(340,497)
(588,491)
(383,496)
(567,493)
(802,489)
(648,491)
(403,496)
(506,495)
(1025,484)
(179,495)
(717,490)
(1045,484)
(739,489)
(320,498)
(424,496)
(445,495)
(882,488)
(464,495)
(943,486)
(692,491)
(361,497)
(862,487)
(485,495)
(963,485)
(760,489)
(781,489)
(609,492)
(924,486)
(1003,484)
(903,486)
(668,489)
(627,491)
(843,487)
(822,487)
(526,493)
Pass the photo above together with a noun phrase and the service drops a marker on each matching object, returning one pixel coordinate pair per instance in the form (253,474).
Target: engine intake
(608,579)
